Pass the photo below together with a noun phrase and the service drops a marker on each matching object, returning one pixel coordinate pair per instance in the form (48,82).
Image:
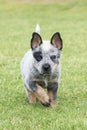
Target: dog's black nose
(46,67)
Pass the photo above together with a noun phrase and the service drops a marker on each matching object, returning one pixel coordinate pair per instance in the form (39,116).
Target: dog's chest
(43,83)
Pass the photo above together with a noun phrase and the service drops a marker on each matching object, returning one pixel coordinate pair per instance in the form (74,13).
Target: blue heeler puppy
(40,68)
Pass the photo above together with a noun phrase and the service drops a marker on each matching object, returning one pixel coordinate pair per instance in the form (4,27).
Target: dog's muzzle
(46,68)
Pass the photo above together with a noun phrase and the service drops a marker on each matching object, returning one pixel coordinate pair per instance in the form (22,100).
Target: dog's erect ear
(36,40)
(56,41)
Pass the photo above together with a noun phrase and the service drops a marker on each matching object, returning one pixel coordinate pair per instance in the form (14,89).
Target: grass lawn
(17,22)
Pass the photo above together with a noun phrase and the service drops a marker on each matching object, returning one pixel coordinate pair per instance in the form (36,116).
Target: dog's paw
(46,104)
(53,104)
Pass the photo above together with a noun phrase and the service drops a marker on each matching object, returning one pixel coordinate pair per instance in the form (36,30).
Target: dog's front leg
(40,93)
(52,93)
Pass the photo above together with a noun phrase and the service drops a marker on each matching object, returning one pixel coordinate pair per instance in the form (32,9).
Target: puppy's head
(46,53)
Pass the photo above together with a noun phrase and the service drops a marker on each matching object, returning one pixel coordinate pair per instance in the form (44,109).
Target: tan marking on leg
(41,94)
(53,103)
(32,98)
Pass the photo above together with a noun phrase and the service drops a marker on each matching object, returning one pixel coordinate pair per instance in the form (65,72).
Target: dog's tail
(37,29)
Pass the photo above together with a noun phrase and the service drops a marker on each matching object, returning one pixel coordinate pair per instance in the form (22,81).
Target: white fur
(46,45)
(37,29)
(26,66)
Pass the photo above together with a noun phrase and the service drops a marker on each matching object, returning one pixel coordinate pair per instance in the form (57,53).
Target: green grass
(17,22)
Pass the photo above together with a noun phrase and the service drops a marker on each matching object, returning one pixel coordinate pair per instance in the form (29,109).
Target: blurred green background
(18,19)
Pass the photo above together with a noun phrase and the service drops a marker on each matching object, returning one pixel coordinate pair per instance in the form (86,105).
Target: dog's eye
(38,56)
(53,57)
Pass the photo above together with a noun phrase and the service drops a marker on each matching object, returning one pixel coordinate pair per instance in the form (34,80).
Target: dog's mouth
(45,73)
